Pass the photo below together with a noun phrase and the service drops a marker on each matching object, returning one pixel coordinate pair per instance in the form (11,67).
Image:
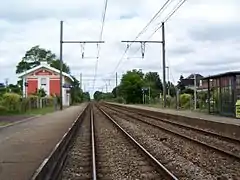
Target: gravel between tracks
(117,158)
(78,164)
(186,159)
(203,137)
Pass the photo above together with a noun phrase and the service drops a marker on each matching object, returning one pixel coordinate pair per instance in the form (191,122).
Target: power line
(166,19)
(142,31)
(169,15)
(100,38)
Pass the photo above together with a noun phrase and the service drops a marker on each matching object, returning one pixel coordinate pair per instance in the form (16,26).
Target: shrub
(25,104)
(185,100)
(3,110)
(33,101)
(47,101)
(11,101)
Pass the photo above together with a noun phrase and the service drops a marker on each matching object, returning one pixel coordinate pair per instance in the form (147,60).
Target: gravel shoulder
(117,158)
(187,160)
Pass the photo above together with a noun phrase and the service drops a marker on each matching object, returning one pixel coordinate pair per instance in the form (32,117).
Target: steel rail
(206,132)
(230,154)
(148,154)
(94,171)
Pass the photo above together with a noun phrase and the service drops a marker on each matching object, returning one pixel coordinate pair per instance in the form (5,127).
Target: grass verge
(40,111)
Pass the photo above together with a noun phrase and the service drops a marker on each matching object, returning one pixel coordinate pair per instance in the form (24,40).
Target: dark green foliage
(76,92)
(35,55)
(188,91)
(180,84)
(98,95)
(131,86)
(86,96)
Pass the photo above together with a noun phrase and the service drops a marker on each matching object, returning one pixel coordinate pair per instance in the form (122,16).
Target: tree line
(31,59)
(134,84)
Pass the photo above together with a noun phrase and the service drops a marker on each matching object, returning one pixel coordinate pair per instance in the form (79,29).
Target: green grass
(4,123)
(40,111)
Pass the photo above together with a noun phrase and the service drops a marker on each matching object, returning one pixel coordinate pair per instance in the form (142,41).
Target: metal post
(209,96)
(61,64)
(168,79)
(164,65)
(81,80)
(143,96)
(116,85)
(149,95)
(195,91)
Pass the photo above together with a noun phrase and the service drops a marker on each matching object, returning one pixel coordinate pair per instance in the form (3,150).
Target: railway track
(122,114)
(97,147)
(124,153)
(222,144)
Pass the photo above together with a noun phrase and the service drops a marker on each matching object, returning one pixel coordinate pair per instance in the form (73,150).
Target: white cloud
(203,36)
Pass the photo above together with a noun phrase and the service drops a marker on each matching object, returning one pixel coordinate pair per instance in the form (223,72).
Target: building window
(43,81)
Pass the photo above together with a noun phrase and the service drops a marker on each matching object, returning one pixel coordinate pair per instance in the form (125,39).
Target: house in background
(189,81)
(48,78)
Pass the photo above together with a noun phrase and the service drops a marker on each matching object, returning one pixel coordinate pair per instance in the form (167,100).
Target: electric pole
(61,65)
(6,84)
(163,57)
(195,91)
(164,65)
(168,80)
(116,85)
(61,60)
(81,80)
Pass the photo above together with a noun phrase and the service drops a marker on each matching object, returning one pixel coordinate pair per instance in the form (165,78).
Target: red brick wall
(32,86)
(55,86)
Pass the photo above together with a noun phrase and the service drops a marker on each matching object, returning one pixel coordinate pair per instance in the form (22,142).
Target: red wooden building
(48,78)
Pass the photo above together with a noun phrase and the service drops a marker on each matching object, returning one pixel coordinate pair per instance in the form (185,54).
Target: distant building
(48,78)
(189,81)
(223,92)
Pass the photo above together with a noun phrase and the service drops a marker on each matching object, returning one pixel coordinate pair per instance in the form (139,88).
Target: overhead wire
(174,10)
(166,19)
(100,39)
(142,31)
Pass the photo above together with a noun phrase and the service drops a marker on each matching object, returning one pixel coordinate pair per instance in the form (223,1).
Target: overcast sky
(203,36)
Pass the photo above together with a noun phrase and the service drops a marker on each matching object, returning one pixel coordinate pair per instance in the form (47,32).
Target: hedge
(12,102)
(185,100)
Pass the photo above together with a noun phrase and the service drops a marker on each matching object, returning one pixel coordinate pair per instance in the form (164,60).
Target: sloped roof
(191,76)
(45,65)
(230,73)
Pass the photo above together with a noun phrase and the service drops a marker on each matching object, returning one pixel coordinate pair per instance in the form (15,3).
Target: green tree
(35,55)
(180,84)
(152,80)
(155,79)
(172,89)
(14,88)
(86,96)
(131,86)
(97,95)
(76,92)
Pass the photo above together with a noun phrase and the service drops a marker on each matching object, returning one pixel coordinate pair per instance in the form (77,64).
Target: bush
(3,110)
(47,101)
(185,101)
(33,101)
(11,101)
